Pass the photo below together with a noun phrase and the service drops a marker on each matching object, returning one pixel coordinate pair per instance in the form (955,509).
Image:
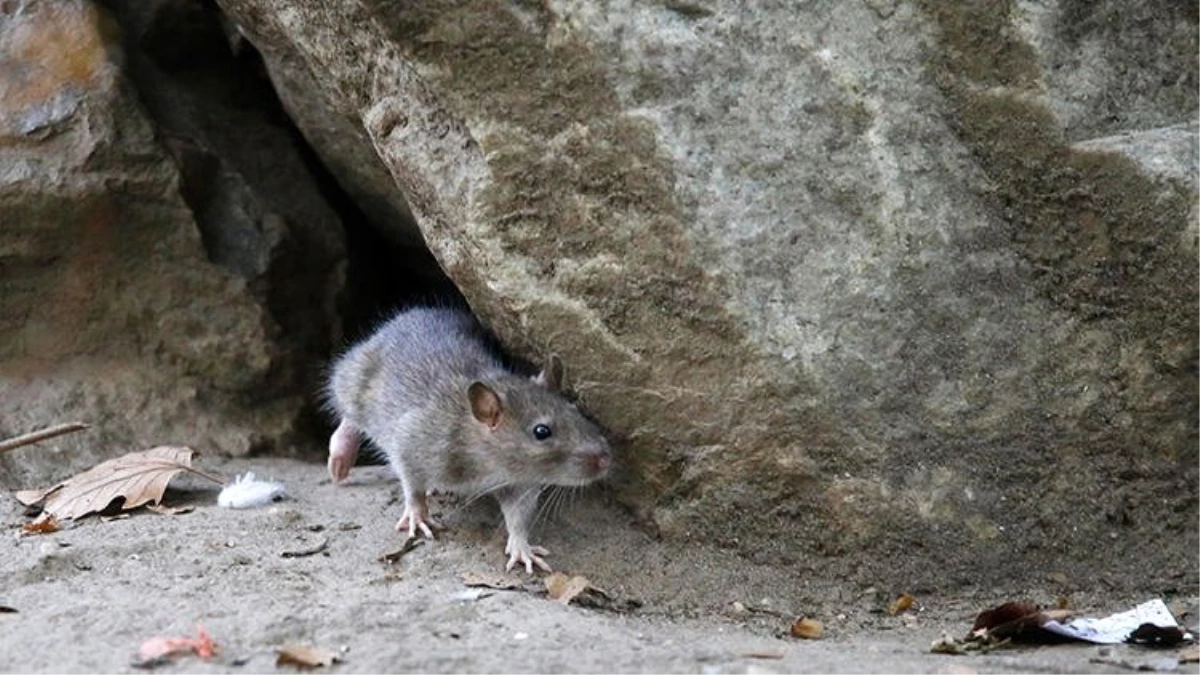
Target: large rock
(115,307)
(833,271)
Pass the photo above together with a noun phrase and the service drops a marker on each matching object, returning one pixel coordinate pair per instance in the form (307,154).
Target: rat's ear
(485,404)
(552,374)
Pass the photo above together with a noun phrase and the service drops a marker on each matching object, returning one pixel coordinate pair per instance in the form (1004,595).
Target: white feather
(247,492)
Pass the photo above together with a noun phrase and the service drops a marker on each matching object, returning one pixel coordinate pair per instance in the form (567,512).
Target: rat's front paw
(417,518)
(521,553)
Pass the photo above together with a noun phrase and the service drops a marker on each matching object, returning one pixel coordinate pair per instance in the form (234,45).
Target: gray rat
(429,393)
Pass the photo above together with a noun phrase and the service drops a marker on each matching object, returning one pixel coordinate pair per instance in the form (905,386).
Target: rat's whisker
(482,492)
(545,505)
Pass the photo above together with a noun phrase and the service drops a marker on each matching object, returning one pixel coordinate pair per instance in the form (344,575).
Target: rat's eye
(542,432)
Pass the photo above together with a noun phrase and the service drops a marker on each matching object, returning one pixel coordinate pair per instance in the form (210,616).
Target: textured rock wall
(911,285)
(847,278)
(159,308)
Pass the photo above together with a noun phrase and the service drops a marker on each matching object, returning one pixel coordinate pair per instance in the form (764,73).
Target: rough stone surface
(261,213)
(833,273)
(111,311)
(1169,153)
(1107,67)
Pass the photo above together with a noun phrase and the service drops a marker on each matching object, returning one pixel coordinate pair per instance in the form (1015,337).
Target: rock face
(157,320)
(848,278)
(908,284)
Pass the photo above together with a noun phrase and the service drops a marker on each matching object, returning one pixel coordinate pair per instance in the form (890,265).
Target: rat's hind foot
(521,553)
(416,517)
(343,450)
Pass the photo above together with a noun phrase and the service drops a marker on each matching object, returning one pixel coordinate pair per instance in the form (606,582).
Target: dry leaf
(1010,618)
(137,478)
(563,588)
(303,656)
(1189,655)
(1018,621)
(809,629)
(170,510)
(496,581)
(45,524)
(160,648)
(901,604)
(580,591)
(31,497)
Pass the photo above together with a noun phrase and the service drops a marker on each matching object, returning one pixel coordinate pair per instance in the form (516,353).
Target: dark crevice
(265,205)
(381,276)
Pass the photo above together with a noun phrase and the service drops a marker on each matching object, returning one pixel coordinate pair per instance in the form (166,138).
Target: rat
(446,413)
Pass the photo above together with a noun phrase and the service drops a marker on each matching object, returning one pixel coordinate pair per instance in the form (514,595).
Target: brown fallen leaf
(579,591)
(304,656)
(136,478)
(901,604)
(808,629)
(162,648)
(496,581)
(563,588)
(1007,620)
(1006,613)
(45,524)
(1020,622)
(1189,655)
(31,497)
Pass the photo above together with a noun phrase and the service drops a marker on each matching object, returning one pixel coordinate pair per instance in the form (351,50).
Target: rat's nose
(598,462)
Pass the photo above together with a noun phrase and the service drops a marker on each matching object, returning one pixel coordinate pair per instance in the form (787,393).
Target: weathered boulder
(847,278)
(115,307)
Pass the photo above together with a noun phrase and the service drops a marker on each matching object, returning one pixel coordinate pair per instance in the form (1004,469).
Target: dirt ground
(86,597)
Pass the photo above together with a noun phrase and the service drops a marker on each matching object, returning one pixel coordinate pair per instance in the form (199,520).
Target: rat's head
(538,436)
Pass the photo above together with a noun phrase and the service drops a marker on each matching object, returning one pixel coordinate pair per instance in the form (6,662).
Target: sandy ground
(87,596)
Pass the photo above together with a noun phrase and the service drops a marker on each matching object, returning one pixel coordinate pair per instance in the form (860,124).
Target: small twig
(308,551)
(395,556)
(767,611)
(33,437)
